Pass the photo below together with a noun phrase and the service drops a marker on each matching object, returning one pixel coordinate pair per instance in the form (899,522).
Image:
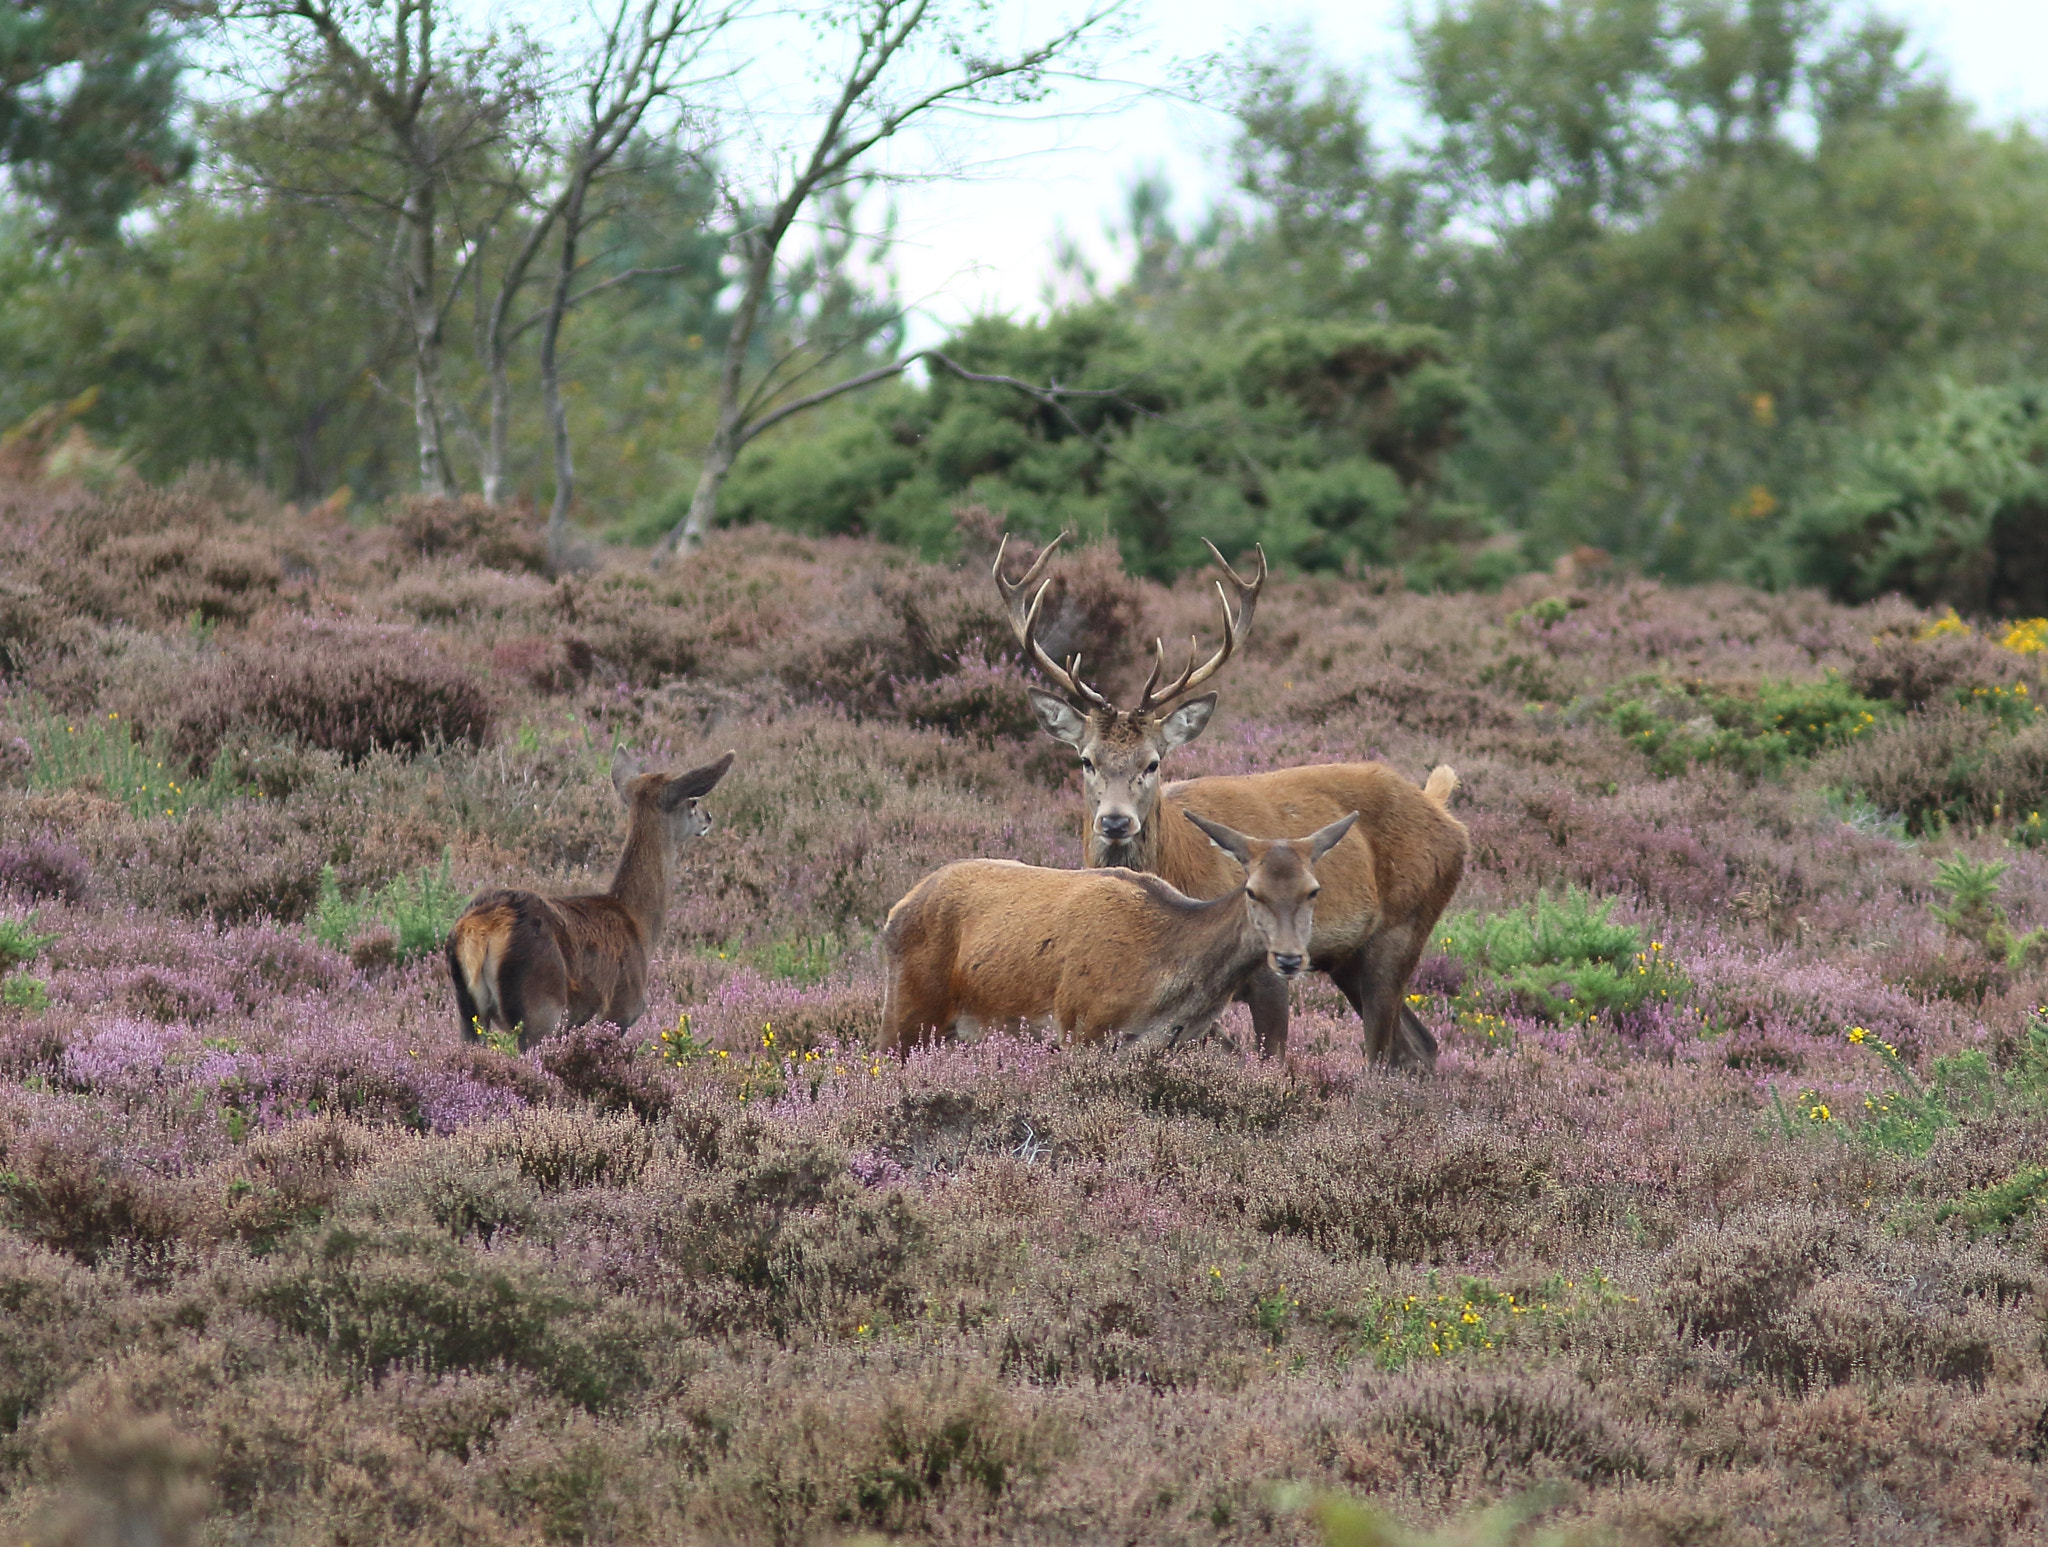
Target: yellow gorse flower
(2026,636)
(1943,627)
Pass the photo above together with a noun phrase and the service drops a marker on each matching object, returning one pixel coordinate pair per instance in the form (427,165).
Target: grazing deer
(1113,954)
(532,965)
(1385,886)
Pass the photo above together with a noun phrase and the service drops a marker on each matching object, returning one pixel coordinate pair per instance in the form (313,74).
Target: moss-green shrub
(1756,733)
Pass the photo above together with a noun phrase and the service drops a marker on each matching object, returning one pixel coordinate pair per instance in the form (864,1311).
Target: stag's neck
(1139,854)
(1169,846)
(642,883)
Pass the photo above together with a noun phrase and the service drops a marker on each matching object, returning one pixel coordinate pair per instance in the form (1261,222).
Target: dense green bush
(408,918)
(1320,440)
(1949,507)
(1561,958)
(1756,733)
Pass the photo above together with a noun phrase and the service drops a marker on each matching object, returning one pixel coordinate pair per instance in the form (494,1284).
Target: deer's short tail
(1440,784)
(476,953)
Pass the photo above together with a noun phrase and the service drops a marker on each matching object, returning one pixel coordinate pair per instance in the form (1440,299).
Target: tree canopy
(88,109)
(1659,276)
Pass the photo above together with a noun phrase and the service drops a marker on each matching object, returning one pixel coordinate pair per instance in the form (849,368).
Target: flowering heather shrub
(1727,1270)
(251,861)
(503,537)
(600,1064)
(1948,764)
(33,627)
(342,688)
(1914,672)
(633,626)
(158,557)
(44,868)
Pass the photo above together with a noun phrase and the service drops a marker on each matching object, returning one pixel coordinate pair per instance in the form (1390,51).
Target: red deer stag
(1101,953)
(1385,886)
(532,965)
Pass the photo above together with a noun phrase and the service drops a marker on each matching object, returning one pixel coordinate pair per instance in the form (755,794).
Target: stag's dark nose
(1287,963)
(1117,829)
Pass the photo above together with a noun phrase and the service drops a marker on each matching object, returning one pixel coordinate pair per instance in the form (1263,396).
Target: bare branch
(838,389)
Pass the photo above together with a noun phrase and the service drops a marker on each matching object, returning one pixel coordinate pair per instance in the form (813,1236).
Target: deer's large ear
(625,769)
(1188,721)
(1324,839)
(1228,839)
(698,781)
(1062,721)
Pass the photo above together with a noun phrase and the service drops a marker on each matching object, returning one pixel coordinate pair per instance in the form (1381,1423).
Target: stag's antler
(1022,602)
(1234,631)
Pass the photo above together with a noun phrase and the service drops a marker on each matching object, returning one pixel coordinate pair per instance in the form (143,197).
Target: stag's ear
(1228,839)
(698,781)
(625,769)
(1324,839)
(1062,721)
(1188,721)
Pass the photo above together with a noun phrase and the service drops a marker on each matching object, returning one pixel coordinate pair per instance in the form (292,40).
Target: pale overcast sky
(986,242)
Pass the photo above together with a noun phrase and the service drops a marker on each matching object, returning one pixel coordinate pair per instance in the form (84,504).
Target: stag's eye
(1153,766)
(1087,765)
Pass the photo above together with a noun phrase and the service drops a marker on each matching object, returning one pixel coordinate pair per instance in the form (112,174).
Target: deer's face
(675,802)
(1121,752)
(1280,885)
(1280,896)
(688,821)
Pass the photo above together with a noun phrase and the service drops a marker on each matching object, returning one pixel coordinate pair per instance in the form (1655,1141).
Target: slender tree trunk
(718,460)
(725,445)
(427,421)
(551,377)
(497,352)
(497,435)
(426,337)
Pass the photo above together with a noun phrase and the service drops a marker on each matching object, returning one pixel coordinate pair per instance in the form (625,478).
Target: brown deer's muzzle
(1116,826)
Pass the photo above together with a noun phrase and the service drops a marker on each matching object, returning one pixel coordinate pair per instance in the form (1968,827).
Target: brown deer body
(1384,887)
(533,965)
(1101,954)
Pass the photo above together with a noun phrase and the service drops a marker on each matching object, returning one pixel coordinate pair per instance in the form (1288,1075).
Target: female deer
(532,965)
(1102,954)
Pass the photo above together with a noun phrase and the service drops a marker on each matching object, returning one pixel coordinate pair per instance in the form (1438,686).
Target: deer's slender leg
(1266,994)
(533,993)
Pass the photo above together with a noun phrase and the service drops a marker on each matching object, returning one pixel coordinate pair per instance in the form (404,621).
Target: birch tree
(436,133)
(646,55)
(899,63)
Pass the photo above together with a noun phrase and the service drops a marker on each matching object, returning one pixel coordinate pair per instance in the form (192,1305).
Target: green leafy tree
(242,328)
(88,98)
(1948,505)
(1680,248)
(1320,440)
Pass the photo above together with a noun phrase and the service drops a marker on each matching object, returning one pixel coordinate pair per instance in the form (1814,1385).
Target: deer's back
(1405,855)
(1000,941)
(600,947)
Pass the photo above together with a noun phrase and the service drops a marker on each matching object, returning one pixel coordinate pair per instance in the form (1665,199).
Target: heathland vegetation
(1720,1220)
(1656,438)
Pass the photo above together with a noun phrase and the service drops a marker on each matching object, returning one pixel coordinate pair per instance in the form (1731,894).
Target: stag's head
(1280,885)
(1122,749)
(673,801)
